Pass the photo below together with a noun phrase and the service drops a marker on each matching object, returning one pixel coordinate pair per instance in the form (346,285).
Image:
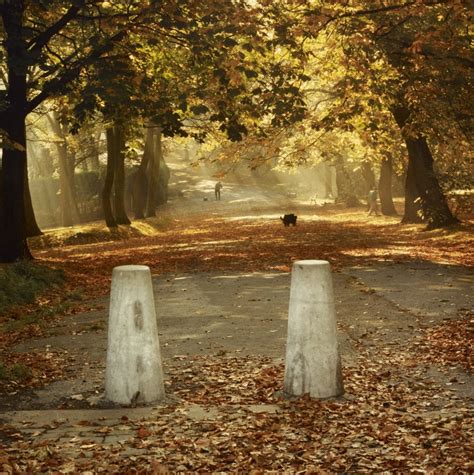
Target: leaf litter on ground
(393,417)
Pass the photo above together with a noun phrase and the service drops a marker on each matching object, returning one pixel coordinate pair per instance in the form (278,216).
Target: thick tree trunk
(413,212)
(31,226)
(153,170)
(119,182)
(34,167)
(13,243)
(385,188)
(422,180)
(109,181)
(435,207)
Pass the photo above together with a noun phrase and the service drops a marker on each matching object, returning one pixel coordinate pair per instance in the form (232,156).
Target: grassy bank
(21,282)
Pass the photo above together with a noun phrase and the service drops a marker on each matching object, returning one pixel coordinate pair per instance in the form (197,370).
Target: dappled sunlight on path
(198,243)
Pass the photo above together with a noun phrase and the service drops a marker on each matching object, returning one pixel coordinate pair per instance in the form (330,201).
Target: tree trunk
(13,243)
(385,188)
(369,179)
(345,187)
(434,205)
(162,171)
(94,158)
(109,180)
(33,169)
(152,178)
(422,180)
(413,212)
(119,182)
(31,226)
(139,188)
(65,196)
(327,174)
(139,179)
(67,201)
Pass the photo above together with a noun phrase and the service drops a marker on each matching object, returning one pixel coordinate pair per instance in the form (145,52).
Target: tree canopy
(283,74)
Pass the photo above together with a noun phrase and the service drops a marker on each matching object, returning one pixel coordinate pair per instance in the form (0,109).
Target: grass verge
(98,232)
(22,281)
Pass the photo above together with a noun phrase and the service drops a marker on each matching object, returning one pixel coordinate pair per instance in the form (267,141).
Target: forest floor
(221,281)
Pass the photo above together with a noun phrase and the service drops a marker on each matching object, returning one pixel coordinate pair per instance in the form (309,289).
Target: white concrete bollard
(313,363)
(133,372)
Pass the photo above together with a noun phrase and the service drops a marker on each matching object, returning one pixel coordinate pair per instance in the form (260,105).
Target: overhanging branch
(36,44)
(55,84)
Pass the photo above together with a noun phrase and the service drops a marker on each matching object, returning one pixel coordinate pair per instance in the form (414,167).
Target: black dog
(289,219)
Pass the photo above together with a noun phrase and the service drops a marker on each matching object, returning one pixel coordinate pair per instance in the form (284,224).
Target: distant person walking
(217,190)
(373,206)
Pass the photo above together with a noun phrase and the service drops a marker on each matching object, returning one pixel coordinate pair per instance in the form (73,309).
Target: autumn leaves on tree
(372,83)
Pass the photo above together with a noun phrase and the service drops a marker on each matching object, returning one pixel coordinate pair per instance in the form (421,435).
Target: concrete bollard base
(134,371)
(313,363)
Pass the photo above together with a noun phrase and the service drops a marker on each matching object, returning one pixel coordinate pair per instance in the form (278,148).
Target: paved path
(384,307)
(231,314)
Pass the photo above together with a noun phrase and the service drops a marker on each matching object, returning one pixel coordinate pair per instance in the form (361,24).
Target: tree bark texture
(31,226)
(413,212)
(385,188)
(434,205)
(13,242)
(422,180)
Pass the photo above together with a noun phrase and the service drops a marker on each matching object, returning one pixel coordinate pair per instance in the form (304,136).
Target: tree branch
(36,44)
(55,84)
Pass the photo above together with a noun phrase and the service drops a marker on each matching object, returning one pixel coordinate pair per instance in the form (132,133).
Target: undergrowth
(16,372)
(22,281)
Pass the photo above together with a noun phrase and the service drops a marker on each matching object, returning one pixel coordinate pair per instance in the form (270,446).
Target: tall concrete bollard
(313,363)
(134,372)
